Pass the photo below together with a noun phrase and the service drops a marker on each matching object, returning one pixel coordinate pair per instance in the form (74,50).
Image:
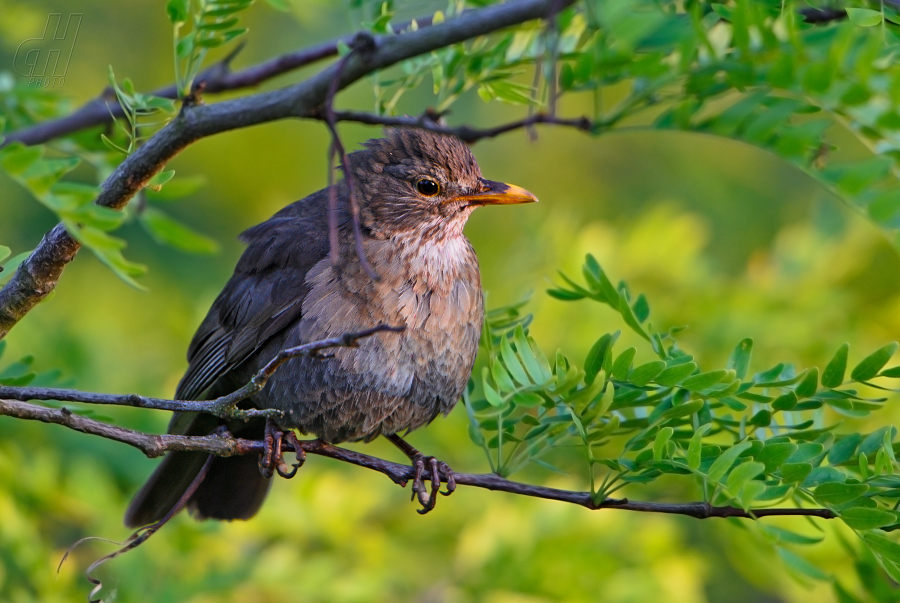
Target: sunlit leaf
(833,375)
(874,362)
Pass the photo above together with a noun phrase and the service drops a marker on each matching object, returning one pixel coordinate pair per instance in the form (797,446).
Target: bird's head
(421,181)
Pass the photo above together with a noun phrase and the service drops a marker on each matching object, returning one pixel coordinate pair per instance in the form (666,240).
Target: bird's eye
(428,187)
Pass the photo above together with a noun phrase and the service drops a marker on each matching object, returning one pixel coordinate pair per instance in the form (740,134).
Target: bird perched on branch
(297,282)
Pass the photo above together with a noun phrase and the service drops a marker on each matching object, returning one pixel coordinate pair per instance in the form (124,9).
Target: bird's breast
(433,290)
(392,381)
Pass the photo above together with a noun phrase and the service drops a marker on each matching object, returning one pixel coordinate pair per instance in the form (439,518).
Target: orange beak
(498,193)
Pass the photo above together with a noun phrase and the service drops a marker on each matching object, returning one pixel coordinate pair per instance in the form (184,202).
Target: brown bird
(415,190)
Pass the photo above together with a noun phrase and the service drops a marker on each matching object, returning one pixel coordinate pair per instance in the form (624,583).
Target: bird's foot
(426,467)
(271,459)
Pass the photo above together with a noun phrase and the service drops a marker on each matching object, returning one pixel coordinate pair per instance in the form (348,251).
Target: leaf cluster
(200,26)
(746,439)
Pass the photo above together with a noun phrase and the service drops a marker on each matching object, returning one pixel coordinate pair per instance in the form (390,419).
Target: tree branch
(38,274)
(224,407)
(213,80)
(464,132)
(14,403)
(219,445)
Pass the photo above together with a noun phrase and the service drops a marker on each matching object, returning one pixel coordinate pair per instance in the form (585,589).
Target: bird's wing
(264,295)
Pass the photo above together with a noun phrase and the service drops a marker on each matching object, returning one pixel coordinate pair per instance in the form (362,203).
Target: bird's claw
(438,470)
(271,459)
(428,499)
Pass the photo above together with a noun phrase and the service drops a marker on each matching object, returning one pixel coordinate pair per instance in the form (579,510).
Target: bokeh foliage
(785,266)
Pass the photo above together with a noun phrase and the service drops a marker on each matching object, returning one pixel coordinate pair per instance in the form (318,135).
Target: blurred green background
(720,237)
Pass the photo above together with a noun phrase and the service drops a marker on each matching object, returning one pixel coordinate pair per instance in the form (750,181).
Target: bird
(402,261)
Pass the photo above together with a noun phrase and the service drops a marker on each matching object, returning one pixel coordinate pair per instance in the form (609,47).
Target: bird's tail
(233,487)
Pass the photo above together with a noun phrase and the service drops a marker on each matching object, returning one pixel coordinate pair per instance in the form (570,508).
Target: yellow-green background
(719,236)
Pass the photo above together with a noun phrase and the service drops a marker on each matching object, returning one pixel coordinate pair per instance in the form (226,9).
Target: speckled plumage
(288,290)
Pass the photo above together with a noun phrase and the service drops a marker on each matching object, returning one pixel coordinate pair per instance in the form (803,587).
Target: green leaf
(806,452)
(742,474)
(178,10)
(889,444)
(740,358)
(630,319)
(661,442)
(785,401)
(596,357)
(4,252)
(168,231)
(641,308)
(874,441)
(679,410)
(786,536)
(108,250)
(513,365)
(823,475)
(501,377)
(111,145)
(844,449)
(695,447)
(219,25)
(833,493)
(159,179)
(774,454)
(475,435)
(532,357)
(622,364)
(810,383)
(599,282)
(762,418)
(644,374)
(605,402)
(490,394)
(795,472)
(722,464)
(864,17)
(704,380)
(800,565)
(883,546)
(16,157)
(750,492)
(862,518)
(833,375)
(676,374)
(874,362)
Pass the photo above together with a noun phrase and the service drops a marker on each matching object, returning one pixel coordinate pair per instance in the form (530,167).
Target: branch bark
(224,407)
(465,132)
(37,276)
(218,445)
(213,80)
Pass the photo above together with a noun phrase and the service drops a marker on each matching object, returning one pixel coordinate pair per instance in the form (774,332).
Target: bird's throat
(437,258)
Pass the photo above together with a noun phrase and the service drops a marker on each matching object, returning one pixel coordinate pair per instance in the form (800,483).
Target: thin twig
(224,407)
(468,133)
(360,44)
(223,445)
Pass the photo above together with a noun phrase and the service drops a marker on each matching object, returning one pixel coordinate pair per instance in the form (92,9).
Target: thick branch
(156,445)
(215,79)
(39,274)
